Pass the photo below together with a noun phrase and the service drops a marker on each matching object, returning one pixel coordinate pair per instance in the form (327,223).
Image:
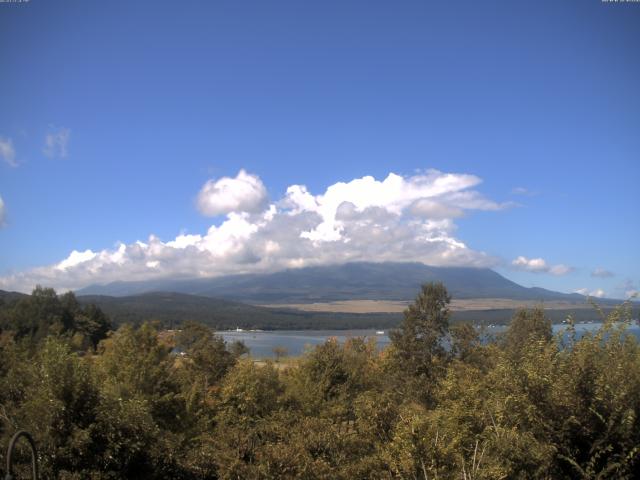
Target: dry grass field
(384,306)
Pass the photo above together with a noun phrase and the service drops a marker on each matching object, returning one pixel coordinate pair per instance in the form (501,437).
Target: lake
(261,343)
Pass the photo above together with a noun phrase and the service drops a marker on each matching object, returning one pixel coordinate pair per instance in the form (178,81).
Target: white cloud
(523,191)
(244,193)
(7,152)
(395,219)
(55,142)
(434,209)
(539,265)
(3,212)
(75,258)
(531,265)
(602,273)
(433,195)
(560,269)
(597,293)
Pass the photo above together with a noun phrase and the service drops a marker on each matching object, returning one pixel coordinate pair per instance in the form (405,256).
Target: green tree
(38,315)
(418,350)
(44,313)
(142,422)
(249,396)
(207,355)
(56,400)
(93,324)
(527,326)
(330,377)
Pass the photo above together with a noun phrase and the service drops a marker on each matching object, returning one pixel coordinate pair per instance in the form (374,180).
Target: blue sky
(115,115)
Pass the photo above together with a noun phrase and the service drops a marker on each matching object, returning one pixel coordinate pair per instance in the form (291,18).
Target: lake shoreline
(262,342)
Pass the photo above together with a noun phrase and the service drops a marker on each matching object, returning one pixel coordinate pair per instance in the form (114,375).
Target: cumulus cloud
(434,209)
(539,265)
(395,219)
(244,193)
(601,273)
(597,293)
(2,212)
(531,265)
(55,142)
(75,258)
(7,152)
(434,195)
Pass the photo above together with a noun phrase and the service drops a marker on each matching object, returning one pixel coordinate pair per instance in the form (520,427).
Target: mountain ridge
(172,309)
(354,280)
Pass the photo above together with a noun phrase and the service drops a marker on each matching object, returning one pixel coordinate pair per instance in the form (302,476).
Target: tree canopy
(438,402)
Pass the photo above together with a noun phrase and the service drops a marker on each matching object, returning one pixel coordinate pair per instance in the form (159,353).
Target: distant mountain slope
(8,297)
(171,309)
(174,308)
(375,281)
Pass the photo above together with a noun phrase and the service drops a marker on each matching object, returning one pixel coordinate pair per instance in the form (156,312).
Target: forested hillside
(172,309)
(105,405)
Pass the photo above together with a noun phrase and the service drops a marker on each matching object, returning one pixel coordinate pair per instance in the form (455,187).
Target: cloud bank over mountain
(399,218)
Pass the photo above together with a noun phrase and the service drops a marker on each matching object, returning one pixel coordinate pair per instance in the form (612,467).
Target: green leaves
(418,357)
(525,407)
(44,313)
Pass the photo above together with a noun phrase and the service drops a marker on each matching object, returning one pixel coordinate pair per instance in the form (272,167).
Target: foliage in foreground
(526,405)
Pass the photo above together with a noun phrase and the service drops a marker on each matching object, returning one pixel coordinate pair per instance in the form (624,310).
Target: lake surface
(262,343)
